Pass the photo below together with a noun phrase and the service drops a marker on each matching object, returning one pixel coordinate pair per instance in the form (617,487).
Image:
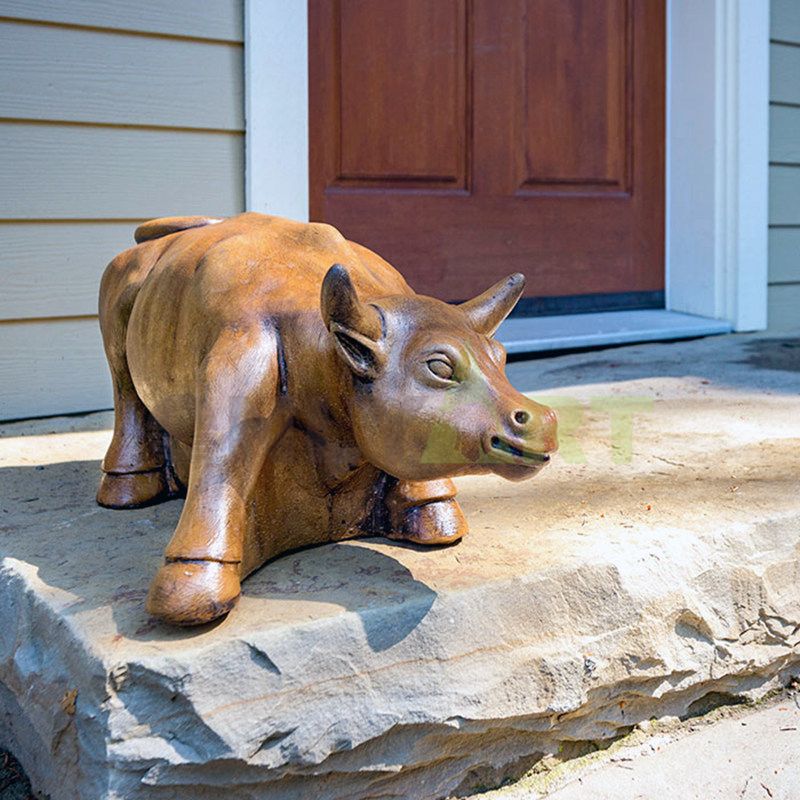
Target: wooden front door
(467,139)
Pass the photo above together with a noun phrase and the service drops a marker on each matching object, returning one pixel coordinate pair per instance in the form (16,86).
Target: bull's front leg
(237,422)
(425,512)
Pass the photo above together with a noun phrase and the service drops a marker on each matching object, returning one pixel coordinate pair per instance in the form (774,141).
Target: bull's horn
(486,311)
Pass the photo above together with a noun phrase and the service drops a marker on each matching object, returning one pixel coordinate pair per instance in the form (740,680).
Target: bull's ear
(486,311)
(356,327)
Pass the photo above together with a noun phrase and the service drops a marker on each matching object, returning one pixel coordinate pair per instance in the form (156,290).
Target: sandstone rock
(597,596)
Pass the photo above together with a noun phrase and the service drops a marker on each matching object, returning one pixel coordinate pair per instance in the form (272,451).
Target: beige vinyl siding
(784,253)
(221,20)
(118,78)
(59,171)
(784,170)
(111,113)
(64,262)
(53,366)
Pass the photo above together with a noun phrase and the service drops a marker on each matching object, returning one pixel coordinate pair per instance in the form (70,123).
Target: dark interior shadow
(49,519)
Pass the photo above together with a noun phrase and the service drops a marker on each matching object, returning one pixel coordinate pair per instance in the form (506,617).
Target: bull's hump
(314,247)
(323,235)
(307,235)
(291,242)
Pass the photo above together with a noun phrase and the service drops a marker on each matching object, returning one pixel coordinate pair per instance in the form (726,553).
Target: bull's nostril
(521,417)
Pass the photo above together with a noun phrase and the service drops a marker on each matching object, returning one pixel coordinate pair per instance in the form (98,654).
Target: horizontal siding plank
(784,254)
(222,19)
(783,309)
(785,20)
(54,269)
(784,134)
(73,75)
(784,73)
(784,195)
(38,378)
(75,172)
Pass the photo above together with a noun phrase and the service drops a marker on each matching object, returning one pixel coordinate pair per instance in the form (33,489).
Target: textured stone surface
(598,595)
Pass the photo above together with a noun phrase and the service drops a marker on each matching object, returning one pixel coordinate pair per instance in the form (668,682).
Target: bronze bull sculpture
(299,392)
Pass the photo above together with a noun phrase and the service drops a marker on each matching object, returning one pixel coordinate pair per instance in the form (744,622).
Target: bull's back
(254,263)
(237,272)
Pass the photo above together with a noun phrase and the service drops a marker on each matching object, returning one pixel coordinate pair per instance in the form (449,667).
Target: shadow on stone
(708,702)
(14,783)
(104,558)
(389,601)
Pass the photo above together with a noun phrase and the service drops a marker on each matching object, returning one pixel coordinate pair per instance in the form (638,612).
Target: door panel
(466,139)
(574,104)
(410,80)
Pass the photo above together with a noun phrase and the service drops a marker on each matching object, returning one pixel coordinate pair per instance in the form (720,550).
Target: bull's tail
(156,228)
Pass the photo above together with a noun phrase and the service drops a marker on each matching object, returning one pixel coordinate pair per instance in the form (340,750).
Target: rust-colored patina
(299,392)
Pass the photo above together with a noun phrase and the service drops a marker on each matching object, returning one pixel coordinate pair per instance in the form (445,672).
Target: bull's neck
(317,387)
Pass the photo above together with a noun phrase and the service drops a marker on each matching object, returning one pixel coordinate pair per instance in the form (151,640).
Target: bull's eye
(441,368)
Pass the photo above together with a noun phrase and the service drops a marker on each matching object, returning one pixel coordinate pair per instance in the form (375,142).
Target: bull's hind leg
(136,469)
(236,424)
(425,512)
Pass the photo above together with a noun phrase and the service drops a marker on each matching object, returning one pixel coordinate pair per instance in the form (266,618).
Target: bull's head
(430,396)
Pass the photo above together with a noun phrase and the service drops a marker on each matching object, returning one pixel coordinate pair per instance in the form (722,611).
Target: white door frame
(717,144)
(717,159)
(276,107)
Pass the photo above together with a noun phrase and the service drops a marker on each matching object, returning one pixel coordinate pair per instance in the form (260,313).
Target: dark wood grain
(422,93)
(574,94)
(464,140)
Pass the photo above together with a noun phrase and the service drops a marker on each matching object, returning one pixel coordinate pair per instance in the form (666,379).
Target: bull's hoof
(133,489)
(437,523)
(193,592)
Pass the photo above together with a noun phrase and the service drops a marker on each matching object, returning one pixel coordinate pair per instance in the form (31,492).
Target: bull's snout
(526,437)
(535,425)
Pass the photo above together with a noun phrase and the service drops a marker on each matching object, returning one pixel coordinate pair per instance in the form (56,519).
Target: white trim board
(717,159)
(716,144)
(276,107)
(572,331)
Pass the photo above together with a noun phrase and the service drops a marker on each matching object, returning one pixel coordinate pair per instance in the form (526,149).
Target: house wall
(111,113)
(784,170)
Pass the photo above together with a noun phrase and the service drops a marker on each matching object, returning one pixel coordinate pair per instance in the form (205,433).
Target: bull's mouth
(505,451)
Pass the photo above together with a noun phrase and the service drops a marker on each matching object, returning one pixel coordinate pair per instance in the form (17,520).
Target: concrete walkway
(745,755)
